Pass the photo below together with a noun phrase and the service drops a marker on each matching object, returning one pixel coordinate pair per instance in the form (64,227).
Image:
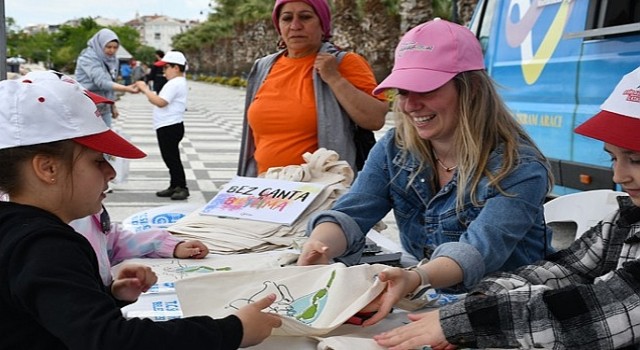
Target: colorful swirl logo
(519,34)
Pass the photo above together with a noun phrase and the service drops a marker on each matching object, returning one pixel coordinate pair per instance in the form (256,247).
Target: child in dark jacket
(52,166)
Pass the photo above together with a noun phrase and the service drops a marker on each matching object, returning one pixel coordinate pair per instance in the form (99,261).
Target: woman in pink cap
(306,96)
(583,297)
(52,166)
(465,182)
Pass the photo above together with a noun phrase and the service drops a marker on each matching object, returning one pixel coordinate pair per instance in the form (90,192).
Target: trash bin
(13,67)
(13,64)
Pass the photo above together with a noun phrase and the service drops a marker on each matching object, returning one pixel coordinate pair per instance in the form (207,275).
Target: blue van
(556,61)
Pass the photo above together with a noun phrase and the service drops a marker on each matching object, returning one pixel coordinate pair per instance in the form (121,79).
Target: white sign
(259,199)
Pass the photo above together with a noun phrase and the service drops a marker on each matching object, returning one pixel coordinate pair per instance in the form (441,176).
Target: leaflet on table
(269,200)
(155,306)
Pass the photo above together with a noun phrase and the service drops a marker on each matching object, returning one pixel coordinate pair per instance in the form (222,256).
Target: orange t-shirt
(283,114)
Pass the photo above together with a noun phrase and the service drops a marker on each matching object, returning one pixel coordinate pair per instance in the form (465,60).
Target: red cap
(618,122)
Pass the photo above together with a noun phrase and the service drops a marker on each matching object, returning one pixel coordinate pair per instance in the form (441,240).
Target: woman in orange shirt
(306,96)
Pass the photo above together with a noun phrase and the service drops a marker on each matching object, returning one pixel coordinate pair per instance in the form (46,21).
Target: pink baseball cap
(46,107)
(618,122)
(321,7)
(431,54)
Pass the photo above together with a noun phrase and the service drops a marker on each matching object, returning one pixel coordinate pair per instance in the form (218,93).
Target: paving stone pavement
(210,150)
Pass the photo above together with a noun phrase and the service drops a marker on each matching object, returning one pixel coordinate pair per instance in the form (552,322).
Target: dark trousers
(169,138)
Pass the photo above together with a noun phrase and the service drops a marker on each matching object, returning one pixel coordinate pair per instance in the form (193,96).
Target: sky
(32,12)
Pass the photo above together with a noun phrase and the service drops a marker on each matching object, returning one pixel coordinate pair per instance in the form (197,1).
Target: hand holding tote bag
(312,300)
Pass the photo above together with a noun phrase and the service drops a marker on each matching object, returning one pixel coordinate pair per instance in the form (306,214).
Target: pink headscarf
(319,6)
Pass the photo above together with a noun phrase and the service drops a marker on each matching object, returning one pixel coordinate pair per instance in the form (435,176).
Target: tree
(465,10)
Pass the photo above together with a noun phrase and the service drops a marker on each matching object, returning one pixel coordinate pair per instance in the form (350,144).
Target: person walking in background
(465,182)
(97,70)
(125,73)
(582,297)
(303,97)
(137,71)
(53,168)
(156,75)
(168,114)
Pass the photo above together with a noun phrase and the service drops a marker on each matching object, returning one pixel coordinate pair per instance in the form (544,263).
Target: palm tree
(414,12)
(465,10)
(347,33)
(237,32)
(381,31)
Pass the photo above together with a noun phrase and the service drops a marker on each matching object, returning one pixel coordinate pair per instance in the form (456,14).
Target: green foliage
(443,8)
(63,47)
(226,15)
(235,81)
(232,81)
(129,37)
(146,54)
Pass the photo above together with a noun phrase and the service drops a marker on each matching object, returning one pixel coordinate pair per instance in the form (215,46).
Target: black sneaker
(180,193)
(166,193)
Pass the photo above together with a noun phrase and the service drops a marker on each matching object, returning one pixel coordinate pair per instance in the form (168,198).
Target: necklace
(446,168)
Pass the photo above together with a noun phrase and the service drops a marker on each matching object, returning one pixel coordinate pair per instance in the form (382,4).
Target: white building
(157,31)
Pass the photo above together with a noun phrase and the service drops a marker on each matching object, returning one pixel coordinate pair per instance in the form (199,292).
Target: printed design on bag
(175,269)
(191,269)
(181,270)
(305,309)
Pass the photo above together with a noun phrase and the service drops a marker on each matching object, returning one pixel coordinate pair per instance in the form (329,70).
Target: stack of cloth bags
(232,236)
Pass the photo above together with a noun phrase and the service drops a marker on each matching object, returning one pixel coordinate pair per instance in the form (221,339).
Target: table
(161,303)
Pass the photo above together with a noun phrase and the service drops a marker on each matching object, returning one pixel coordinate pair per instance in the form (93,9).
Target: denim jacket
(504,232)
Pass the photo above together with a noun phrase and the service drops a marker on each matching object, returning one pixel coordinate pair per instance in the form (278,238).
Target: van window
(619,12)
(610,17)
(485,24)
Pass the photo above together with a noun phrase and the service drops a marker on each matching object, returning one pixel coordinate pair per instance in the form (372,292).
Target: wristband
(419,297)
(424,281)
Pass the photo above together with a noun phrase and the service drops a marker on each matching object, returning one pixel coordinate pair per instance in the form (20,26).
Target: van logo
(519,34)
(632,95)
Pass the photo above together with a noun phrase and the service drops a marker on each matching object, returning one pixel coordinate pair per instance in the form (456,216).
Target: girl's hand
(191,249)
(131,281)
(115,113)
(257,325)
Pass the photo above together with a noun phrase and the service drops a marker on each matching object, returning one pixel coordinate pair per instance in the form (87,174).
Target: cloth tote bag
(311,300)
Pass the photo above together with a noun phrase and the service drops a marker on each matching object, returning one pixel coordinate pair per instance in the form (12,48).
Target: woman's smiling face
(434,114)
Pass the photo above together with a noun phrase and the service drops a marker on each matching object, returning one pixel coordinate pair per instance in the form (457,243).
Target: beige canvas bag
(312,300)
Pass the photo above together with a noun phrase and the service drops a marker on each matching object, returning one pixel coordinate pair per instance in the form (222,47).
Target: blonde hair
(484,124)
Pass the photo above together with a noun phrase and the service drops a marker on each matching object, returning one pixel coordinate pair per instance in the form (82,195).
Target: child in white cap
(52,166)
(168,120)
(583,297)
(112,242)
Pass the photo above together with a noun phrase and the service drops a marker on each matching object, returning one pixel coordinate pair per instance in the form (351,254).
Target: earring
(53,180)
